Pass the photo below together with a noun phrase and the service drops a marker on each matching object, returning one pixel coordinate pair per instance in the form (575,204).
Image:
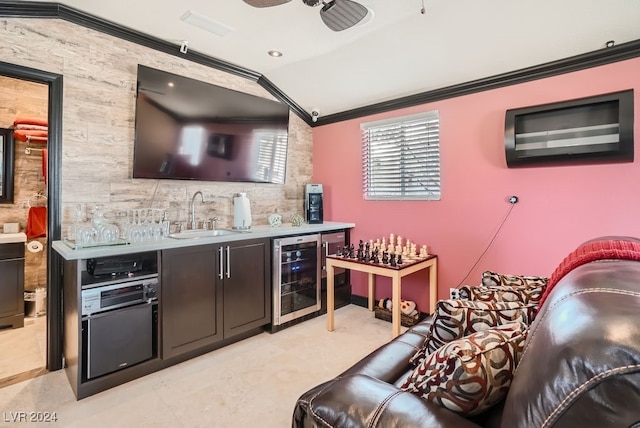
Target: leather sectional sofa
(579,367)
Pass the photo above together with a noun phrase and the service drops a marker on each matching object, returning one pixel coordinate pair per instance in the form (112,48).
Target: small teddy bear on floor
(407,307)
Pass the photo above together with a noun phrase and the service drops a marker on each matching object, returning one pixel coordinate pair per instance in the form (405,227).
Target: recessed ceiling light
(170,84)
(206,23)
(275,53)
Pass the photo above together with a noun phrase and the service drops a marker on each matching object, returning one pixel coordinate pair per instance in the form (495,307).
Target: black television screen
(191,130)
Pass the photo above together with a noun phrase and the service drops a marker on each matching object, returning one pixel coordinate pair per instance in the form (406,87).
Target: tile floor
(252,383)
(23,350)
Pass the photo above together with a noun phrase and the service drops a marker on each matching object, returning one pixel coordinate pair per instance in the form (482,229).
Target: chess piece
(399,241)
(392,260)
(385,257)
(399,261)
(391,240)
(423,251)
(376,259)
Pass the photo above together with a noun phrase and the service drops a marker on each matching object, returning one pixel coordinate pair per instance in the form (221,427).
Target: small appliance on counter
(313,204)
(241,211)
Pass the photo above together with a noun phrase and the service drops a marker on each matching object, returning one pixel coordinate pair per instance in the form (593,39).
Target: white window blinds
(401,158)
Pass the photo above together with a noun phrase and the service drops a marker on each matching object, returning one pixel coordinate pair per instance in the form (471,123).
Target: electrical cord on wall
(495,235)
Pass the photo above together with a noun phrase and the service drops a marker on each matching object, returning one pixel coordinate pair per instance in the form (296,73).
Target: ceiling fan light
(342,14)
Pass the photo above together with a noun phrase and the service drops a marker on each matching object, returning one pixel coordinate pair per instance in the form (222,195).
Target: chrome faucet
(193,208)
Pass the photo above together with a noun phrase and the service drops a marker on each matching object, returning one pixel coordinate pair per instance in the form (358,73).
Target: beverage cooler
(333,243)
(296,278)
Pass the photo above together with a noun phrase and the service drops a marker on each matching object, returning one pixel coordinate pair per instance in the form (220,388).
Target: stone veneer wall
(99,80)
(25,99)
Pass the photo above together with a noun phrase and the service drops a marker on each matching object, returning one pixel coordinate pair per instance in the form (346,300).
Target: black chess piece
(351,250)
(376,259)
(385,257)
(359,254)
(392,260)
(399,261)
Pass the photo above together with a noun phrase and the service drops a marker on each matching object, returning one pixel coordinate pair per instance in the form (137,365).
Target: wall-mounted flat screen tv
(186,129)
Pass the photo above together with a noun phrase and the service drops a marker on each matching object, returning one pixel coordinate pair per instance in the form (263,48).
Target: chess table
(395,273)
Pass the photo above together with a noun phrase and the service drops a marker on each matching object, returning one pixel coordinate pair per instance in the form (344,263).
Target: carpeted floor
(252,383)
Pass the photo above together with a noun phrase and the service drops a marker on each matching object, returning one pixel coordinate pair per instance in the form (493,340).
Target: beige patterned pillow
(524,295)
(471,374)
(490,278)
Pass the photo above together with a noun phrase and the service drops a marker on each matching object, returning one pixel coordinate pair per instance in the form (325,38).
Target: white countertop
(285,229)
(7,238)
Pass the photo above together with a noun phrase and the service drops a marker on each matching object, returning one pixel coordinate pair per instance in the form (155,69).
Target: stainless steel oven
(119,325)
(296,277)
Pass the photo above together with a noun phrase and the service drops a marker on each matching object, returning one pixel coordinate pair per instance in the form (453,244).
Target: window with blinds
(401,158)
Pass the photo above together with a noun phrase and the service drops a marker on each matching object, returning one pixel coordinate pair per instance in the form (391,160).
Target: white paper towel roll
(34,247)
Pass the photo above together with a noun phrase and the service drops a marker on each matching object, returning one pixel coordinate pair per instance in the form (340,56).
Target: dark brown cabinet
(246,290)
(191,299)
(12,285)
(213,292)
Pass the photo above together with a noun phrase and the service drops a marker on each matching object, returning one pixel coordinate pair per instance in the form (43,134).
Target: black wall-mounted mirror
(6,166)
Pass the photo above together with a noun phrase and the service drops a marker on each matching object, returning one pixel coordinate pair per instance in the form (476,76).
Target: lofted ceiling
(396,52)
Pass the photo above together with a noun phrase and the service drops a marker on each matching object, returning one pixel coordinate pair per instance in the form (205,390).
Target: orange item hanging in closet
(44,164)
(36,222)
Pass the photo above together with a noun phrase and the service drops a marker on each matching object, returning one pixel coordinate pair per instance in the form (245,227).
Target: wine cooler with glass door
(296,279)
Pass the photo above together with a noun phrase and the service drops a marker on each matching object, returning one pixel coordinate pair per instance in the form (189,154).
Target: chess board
(395,252)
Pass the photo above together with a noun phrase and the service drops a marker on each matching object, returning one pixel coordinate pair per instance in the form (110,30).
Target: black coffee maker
(313,203)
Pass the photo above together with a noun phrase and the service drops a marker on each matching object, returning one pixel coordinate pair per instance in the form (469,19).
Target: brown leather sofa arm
(362,401)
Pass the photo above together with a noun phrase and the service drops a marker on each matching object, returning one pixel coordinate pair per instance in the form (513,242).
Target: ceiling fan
(338,15)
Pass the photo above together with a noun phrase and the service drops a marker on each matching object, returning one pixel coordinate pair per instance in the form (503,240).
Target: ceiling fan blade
(342,14)
(265,3)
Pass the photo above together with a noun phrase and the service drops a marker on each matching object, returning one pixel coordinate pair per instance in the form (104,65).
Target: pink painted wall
(560,206)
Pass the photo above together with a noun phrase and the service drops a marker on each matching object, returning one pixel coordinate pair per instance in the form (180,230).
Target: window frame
(410,129)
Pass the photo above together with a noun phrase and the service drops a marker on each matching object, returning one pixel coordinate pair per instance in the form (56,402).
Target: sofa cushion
(454,319)
(524,295)
(490,278)
(470,374)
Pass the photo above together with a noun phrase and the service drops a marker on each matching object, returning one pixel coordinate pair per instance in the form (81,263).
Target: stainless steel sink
(193,234)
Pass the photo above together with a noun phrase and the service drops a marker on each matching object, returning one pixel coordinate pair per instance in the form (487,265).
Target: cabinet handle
(228,262)
(326,253)
(221,260)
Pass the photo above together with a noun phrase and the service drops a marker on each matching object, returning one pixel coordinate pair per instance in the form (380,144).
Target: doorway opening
(43,307)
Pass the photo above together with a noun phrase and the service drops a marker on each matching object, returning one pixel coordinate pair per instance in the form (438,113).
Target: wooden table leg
(330,295)
(433,286)
(372,291)
(395,299)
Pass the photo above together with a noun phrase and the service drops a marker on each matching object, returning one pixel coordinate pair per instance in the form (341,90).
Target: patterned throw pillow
(471,374)
(490,278)
(524,295)
(455,319)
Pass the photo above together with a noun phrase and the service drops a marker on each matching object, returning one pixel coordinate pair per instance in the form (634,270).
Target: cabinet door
(190,299)
(11,287)
(247,302)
